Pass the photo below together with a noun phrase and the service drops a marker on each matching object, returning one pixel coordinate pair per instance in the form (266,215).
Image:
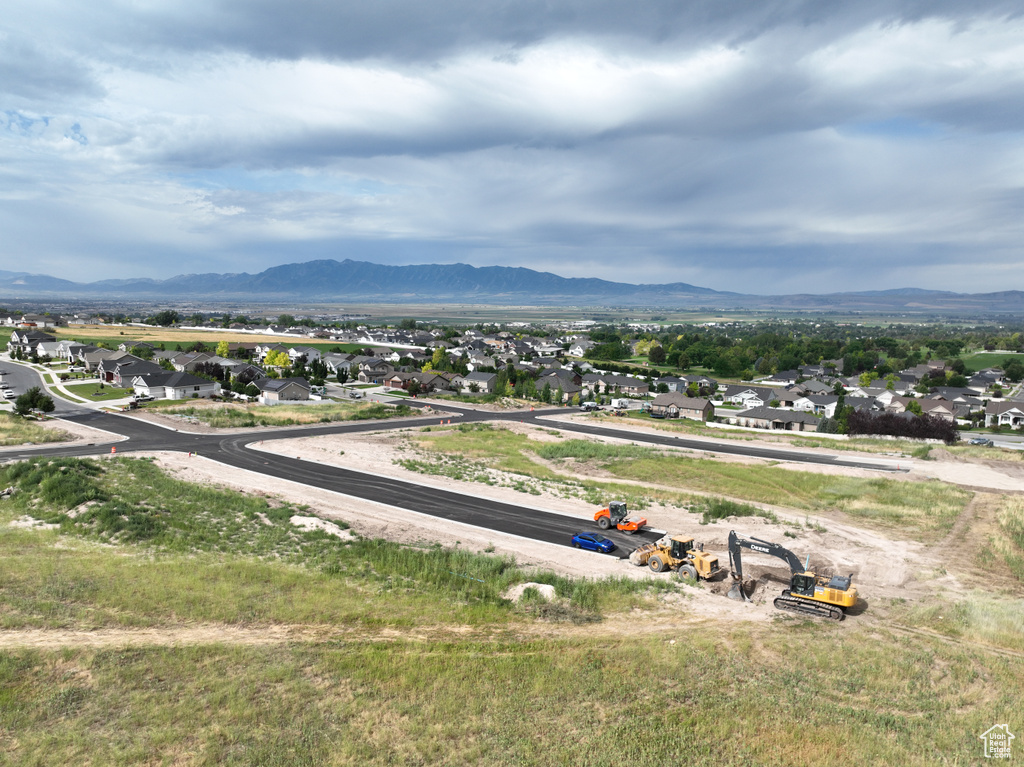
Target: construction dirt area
(884,567)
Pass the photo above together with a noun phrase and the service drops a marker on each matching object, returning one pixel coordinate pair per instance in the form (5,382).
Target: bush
(922,427)
(33,399)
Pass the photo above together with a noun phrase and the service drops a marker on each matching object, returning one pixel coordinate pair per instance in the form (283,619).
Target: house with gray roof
(678,405)
(776,420)
(173,385)
(276,390)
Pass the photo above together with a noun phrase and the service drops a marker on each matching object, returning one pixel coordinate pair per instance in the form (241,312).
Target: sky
(772,146)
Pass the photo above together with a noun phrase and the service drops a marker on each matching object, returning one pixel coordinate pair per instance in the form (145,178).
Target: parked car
(981,442)
(355,394)
(593,542)
(586,407)
(8,394)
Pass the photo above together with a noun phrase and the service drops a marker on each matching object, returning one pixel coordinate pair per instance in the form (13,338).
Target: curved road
(134,435)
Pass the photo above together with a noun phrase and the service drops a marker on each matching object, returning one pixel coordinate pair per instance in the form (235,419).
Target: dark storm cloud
(415,31)
(28,74)
(737,145)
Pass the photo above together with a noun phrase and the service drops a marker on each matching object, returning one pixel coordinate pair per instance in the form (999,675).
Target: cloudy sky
(763,146)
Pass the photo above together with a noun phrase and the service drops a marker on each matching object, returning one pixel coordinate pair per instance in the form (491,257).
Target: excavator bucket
(738,593)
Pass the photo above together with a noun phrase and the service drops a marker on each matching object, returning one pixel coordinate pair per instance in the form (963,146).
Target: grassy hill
(158,622)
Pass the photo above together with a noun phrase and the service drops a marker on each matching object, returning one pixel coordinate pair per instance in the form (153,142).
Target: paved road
(130,435)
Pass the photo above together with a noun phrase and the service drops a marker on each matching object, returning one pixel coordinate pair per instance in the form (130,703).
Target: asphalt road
(232,450)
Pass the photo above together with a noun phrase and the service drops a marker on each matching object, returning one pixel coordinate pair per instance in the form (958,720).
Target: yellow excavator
(808,594)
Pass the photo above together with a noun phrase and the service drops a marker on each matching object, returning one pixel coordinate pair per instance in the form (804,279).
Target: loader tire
(688,571)
(656,563)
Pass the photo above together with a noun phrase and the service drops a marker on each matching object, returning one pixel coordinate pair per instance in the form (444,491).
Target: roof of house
(278,384)
(774,414)
(681,401)
(172,379)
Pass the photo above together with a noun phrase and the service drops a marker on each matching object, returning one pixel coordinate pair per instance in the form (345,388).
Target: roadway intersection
(133,435)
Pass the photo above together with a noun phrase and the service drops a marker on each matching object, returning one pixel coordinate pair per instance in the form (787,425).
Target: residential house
(304,352)
(819,404)
(1001,412)
(749,396)
(91,357)
(775,419)
(936,408)
(275,390)
(569,389)
(480,382)
(678,405)
(672,383)
(173,385)
(375,372)
(25,340)
(608,383)
(49,349)
(580,347)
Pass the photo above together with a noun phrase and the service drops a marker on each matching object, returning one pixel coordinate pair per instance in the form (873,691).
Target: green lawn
(982,360)
(94,393)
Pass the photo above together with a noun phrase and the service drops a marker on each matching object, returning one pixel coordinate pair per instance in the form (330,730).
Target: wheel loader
(679,553)
(615,516)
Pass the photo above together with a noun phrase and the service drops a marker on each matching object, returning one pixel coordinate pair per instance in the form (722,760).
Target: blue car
(593,542)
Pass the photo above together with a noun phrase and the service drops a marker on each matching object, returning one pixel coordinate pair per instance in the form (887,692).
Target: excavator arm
(736,546)
(807,594)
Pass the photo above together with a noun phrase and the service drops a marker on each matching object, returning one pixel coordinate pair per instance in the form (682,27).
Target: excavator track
(788,603)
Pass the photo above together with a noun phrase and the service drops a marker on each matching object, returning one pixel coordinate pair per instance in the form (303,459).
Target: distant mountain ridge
(351,281)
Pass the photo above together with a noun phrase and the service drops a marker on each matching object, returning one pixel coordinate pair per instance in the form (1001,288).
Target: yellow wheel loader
(679,553)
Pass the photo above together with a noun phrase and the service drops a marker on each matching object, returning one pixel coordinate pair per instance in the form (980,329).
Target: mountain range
(351,281)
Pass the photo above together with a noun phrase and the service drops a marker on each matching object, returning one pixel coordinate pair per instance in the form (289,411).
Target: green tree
(914,407)
(223,349)
(867,378)
(414,387)
(286,319)
(33,399)
(277,358)
(545,393)
(656,355)
(1014,370)
(165,318)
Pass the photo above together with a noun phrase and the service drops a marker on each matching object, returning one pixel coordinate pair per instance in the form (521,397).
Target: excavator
(615,516)
(808,594)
